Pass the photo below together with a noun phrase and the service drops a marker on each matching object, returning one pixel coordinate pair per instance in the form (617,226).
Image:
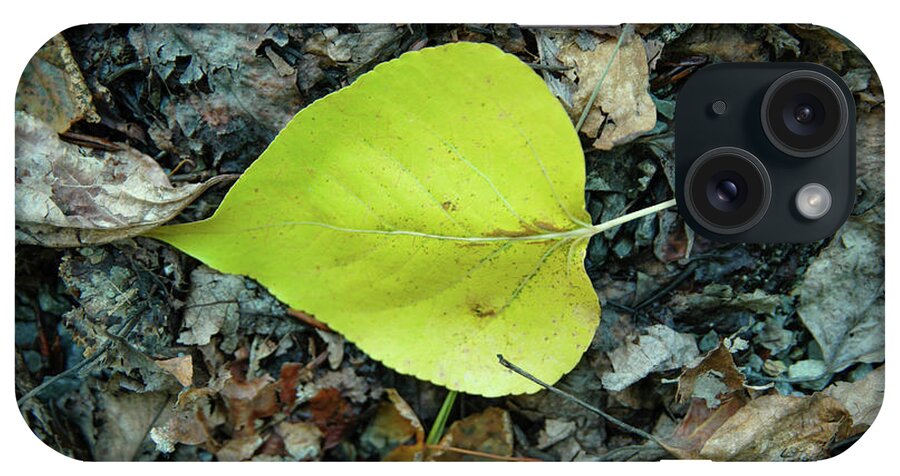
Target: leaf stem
(631,216)
(626,29)
(437,430)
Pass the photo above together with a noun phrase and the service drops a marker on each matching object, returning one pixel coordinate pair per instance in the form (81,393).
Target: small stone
(774,368)
(709,341)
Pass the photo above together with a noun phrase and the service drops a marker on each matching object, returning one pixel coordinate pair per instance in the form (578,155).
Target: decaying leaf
(332,414)
(699,424)
(841,295)
(192,421)
(335,348)
(122,421)
(862,398)
(718,296)
(239,449)
(356,48)
(247,401)
(555,431)
(242,81)
(224,304)
(53,90)
(716,366)
(488,432)
(395,432)
(302,440)
(352,386)
(623,108)
(182,368)
(440,166)
(715,389)
(659,348)
(67,195)
(212,306)
(780,428)
(870,158)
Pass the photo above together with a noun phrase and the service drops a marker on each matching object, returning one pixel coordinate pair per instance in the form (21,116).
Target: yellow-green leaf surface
(432,212)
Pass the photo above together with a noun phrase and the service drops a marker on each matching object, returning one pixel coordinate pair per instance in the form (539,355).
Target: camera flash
(813,201)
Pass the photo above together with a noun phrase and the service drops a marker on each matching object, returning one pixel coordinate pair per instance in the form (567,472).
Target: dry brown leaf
(122,420)
(239,449)
(715,389)
(699,424)
(182,368)
(396,432)
(192,422)
(861,398)
(488,432)
(67,195)
(302,440)
(623,106)
(288,381)
(335,348)
(52,88)
(780,428)
(718,364)
(332,415)
(248,401)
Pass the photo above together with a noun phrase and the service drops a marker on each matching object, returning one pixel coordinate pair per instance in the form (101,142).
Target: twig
(626,30)
(75,369)
(548,67)
(668,287)
(766,378)
(606,416)
(464,451)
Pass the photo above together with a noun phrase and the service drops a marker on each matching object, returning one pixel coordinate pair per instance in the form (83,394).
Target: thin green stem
(587,108)
(437,430)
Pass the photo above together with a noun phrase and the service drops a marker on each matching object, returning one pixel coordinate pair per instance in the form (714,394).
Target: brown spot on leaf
(480,310)
(548,226)
(510,233)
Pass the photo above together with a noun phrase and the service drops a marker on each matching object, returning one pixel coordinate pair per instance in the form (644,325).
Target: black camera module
(728,190)
(804,113)
(779,166)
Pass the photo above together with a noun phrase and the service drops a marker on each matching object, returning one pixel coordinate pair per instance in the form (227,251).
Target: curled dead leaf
(862,398)
(396,432)
(69,196)
(805,427)
(488,432)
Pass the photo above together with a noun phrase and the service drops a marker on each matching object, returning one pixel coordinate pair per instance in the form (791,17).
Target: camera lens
(727,190)
(804,113)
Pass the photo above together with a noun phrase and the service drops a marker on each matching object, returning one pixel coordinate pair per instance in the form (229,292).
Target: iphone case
(129,349)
